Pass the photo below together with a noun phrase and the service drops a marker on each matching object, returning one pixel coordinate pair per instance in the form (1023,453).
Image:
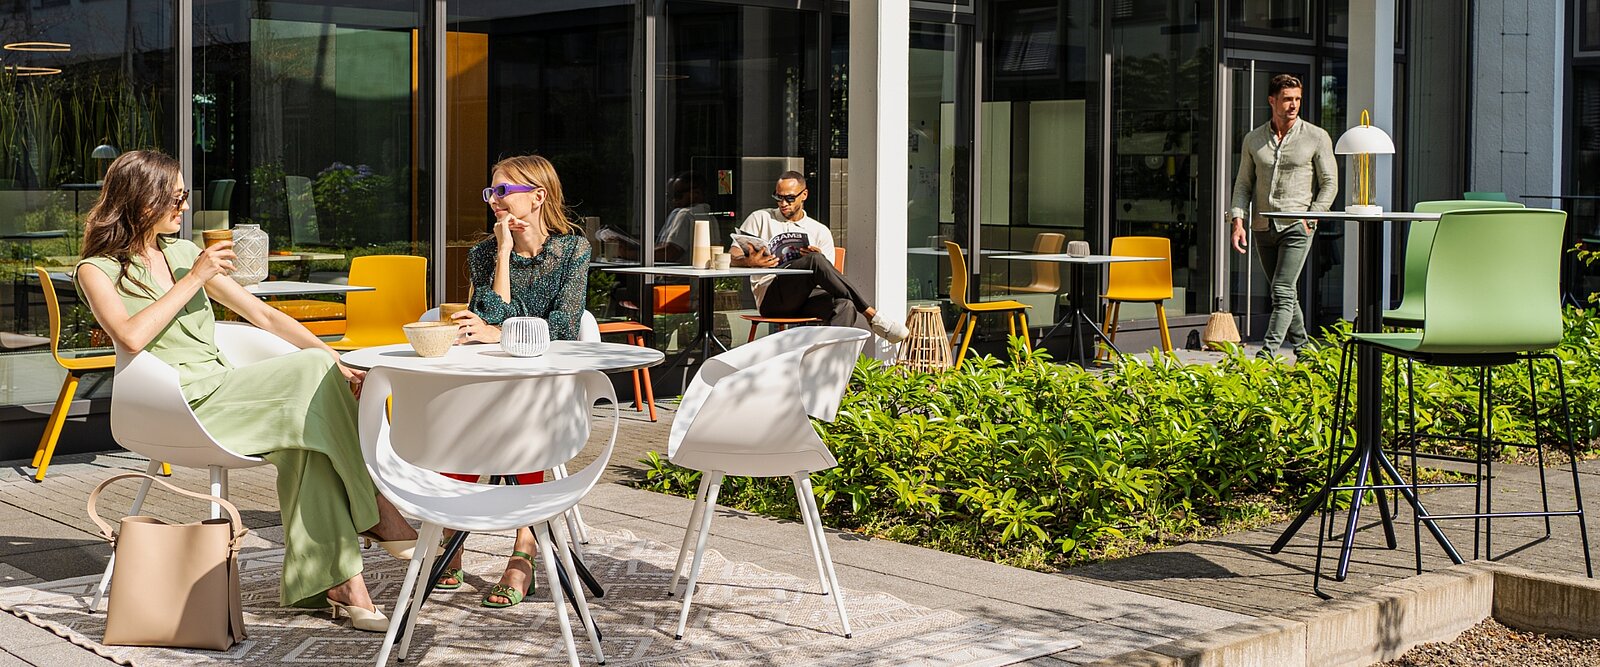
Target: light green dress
(296,411)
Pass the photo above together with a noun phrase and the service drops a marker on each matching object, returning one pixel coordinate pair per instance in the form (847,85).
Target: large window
(308,122)
(79,84)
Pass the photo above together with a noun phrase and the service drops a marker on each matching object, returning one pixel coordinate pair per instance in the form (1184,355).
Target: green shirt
(552,284)
(1299,173)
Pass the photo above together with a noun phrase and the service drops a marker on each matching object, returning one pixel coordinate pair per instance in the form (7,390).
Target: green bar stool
(1492,291)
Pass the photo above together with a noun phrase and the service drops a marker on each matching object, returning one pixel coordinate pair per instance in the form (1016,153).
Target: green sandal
(515,596)
(457,574)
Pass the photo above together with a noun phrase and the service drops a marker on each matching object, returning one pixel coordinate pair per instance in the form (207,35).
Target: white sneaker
(890,330)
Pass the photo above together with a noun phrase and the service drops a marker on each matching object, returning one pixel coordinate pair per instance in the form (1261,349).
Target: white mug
(525,336)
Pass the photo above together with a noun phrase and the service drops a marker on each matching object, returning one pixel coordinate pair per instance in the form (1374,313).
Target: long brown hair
(537,171)
(137,192)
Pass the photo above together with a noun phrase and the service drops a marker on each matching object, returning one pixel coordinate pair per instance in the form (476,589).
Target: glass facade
(79,83)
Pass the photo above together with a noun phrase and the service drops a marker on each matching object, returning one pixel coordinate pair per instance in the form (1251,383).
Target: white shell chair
(150,416)
(748,413)
(460,422)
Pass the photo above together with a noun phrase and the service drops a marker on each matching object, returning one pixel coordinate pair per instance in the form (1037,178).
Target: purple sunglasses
(504,189)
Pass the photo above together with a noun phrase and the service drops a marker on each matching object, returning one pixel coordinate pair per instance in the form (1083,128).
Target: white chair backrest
(466,423)
(588,328)
(429,315)
(748,410)
(150,416)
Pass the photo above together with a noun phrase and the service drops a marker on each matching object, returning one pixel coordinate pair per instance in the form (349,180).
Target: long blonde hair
(136,195)
(537,171)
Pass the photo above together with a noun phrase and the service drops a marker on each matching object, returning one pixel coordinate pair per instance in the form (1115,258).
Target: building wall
(1517,67)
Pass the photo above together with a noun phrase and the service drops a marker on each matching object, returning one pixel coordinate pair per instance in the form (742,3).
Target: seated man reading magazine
(785,236)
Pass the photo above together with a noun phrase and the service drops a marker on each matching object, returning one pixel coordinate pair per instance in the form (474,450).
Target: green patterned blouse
(552,284)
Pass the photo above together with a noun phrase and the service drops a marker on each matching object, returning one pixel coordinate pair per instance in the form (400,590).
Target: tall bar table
(705,280)
(1080,295)
(1367,458)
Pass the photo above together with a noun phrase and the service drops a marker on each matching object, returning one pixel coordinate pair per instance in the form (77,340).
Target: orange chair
(634,333)
(1016,312)
(781,323)
(76,368)
(1046,275)
(1139,282)
(374,318)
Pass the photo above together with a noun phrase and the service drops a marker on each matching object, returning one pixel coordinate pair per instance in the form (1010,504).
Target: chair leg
(138,502)
(955,331)
(574,516)
(1113,315)
(811,531)
(649,387)
(1027,338)
(1538,445)
(689,531)
(219,488)
(712,489)
(638,397)
(584,615)
(52,427)
(966,339)
(1572,463)
(810,499)
(752,337)
(547,550)
(1161,318)
(428,552)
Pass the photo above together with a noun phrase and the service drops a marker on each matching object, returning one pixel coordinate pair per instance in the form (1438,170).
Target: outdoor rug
(742,615)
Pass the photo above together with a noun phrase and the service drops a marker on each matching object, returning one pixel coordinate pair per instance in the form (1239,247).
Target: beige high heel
(361,618)
(400,549)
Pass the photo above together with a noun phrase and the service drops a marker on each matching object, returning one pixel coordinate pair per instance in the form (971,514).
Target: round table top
(1384,216)
(490,359)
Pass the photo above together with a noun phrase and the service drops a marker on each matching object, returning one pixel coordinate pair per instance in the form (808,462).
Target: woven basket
(1220,328)
(927,349)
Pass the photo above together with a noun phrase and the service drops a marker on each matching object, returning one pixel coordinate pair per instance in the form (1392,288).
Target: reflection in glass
(308,123)
(555,81)
(930,208)
(87,76)
(1281,17)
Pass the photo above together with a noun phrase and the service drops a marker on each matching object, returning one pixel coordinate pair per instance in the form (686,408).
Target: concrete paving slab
(20,635)
(63,654)
(7,659)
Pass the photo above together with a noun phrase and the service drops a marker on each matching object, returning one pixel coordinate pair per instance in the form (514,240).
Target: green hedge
(1040,464)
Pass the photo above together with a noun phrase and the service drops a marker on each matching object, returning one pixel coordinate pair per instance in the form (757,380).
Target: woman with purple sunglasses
(535,265)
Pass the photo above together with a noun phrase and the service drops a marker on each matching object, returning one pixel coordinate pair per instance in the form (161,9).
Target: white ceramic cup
(721,261)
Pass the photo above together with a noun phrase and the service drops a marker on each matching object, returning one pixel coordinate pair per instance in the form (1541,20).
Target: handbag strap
(106,531)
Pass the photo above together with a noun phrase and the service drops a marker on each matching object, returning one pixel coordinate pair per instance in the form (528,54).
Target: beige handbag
(174,585)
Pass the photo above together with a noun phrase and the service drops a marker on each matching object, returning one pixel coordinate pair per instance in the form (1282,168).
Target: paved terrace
(1111,607)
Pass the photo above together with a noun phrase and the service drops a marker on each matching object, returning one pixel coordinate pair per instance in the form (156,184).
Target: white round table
(563,355)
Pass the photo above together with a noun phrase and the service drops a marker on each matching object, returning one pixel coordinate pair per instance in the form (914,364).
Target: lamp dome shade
(1364,139)
(104,152)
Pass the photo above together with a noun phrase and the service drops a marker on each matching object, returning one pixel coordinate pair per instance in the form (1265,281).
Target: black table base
(1080,321)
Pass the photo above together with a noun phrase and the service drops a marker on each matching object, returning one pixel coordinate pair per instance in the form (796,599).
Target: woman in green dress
(152,293)
(535,265)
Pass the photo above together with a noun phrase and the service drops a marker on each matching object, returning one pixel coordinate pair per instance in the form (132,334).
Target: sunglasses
(180,198)
(503,189)
(787,199)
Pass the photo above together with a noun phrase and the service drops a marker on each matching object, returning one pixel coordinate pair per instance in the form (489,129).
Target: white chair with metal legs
(150,416)
(459,422)
(748,412)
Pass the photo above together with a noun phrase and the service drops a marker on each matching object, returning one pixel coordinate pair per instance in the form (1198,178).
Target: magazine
(786,246)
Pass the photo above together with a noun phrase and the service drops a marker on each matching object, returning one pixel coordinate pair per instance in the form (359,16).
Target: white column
(1369,86)
(880,49)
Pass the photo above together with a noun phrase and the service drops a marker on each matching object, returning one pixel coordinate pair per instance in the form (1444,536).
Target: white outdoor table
(1367,456)
(941,252)
(1080,295)
(291,287)
(489,359)
(704,337)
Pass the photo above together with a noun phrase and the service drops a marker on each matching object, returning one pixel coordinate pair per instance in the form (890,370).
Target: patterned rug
(742,615)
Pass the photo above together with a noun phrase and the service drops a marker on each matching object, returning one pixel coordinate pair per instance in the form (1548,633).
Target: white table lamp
(1364,141)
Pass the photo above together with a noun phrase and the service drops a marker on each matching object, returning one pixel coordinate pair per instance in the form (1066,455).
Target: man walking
(824,293)
(1286,164)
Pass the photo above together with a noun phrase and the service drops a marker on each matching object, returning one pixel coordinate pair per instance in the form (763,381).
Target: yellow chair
(1046,275)
(374,318)
(76,368)
(1016,312)
(1139,282)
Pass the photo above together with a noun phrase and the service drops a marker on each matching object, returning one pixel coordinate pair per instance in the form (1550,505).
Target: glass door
(938,119)
(1247,109)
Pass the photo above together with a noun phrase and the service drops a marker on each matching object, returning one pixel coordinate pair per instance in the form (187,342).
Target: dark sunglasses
(503,189)
(787,199)
(180,198)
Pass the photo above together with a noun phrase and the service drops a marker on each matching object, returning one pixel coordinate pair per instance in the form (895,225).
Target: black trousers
(824,294)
